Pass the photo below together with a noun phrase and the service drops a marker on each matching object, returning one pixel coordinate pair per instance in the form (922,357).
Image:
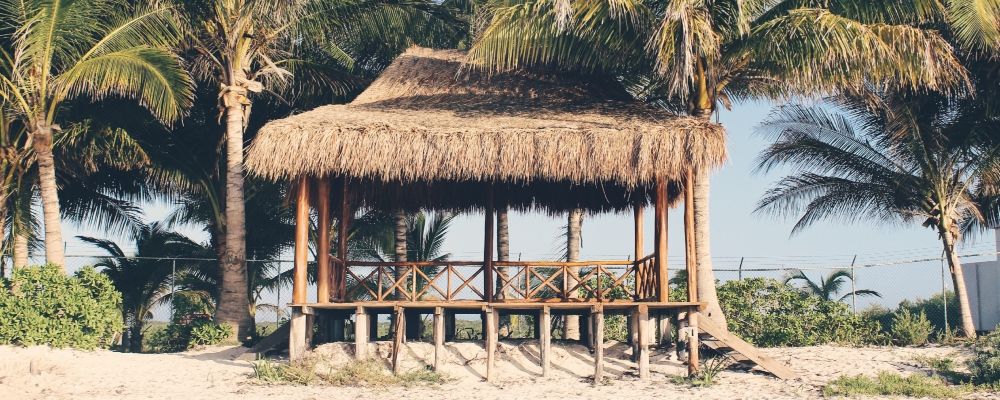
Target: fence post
(740,275)
(854,286)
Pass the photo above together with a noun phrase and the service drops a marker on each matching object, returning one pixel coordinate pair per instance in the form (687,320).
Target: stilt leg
(360,334)
(643,322)
(297,334)
(633,333)
(310,322)
(438,338)
(693,362)
(491,342)
(598,334)
(545,339)
(398,339)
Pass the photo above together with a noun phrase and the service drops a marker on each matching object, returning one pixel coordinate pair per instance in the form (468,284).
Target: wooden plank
(300,275)
(662,270)
(361,329)
(642,315)
(397,341)
(297,344)
(545,340)
(491,342)
(438,338)
(598,317)
(740,346)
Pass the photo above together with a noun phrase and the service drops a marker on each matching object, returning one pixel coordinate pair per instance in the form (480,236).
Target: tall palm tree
(828,287)
(292,47)
(91,49)
(923,159)
(694,56)
(145,278)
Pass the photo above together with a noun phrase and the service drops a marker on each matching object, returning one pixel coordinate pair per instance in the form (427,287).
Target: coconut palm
(145,278)
(828,287)
(83,49)
(923,159)
(694,56)
(295,48)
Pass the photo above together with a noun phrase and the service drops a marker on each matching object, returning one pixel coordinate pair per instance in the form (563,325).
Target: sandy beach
(216,373)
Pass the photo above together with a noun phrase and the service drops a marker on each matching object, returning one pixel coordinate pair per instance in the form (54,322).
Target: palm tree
(922,159)
(693,56)
(829,286)
(297,48)
(89,49)
(145,278)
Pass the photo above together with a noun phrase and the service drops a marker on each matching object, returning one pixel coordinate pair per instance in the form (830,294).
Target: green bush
(985,365)
(770,313)
(933,308)
(210,333)
(180,336)
(890,384)
(909,329)
(43,306)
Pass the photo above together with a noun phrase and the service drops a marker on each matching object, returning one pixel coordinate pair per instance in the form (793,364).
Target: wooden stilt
(491,342)
(310,323)
(397,341)
(300,275)
(663,288)
(545,340)
(488,282)
(297,334)
(640,273)
(323,221)
(692,340)
(597,315)
(692,272)
(633,334)
(360,334)
(438,338)
(642,317)
(342,235)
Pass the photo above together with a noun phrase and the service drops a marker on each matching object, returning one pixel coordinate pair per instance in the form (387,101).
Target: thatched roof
(428,118)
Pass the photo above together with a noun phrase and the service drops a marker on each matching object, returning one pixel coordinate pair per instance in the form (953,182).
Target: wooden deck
(512,305)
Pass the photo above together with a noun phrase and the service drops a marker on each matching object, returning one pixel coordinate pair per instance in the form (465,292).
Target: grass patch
(367,373)
(706,375)
(890,384)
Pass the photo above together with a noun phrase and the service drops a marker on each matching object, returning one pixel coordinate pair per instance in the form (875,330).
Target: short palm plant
(145,278)
(829,286)
(55,51)
(918,159)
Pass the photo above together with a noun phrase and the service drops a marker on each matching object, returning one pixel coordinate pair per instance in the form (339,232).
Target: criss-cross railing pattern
(515,281)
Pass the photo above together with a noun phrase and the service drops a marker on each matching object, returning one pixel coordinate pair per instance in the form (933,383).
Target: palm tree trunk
(574,226)
(42,142)
(703,251)
(21,251)
(3,223)
(234,302)
(503,254)
(400,250)
(958,280)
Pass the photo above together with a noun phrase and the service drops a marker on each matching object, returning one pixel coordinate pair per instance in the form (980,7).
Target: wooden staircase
(716,338)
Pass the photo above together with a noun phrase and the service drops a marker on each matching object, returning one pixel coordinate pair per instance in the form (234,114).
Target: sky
(883,251)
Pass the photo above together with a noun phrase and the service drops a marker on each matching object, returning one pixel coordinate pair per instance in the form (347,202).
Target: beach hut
(433,133)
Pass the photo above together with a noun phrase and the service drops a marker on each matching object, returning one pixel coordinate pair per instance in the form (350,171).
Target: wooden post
(491,342)
(323,221)
(343,235)
(488,248)
(360,333)
(692,272)
(640,273)
(297,344)
(299,276)
(397,341)
(642,315)
(438,338)
(633,334)
(597,316)
(545,340)
(663,292)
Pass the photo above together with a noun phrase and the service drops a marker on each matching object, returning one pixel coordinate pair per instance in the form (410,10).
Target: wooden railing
(516,281)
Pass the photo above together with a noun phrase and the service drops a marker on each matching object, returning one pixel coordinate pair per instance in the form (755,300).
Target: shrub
(908,329)
(208,334)
(180,336)
(44,306)
(933,308)
(365,373)
(770,313)
(985,365)
(889,384)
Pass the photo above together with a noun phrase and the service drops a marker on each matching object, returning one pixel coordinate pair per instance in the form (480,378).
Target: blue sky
(737,232)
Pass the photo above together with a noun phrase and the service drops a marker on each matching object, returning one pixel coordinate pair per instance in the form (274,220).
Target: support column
(663,289)
(323,277)
(360,333)
(299,276)
(488,248)
(491,342)
(640,273)
(297,325)
(397,341)
(642,315)
(438,338)
(545,340)
(597,316)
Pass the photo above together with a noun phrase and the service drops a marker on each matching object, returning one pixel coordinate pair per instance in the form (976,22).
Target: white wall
(983,282)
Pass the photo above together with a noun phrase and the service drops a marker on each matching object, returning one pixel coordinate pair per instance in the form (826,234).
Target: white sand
(214,373)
